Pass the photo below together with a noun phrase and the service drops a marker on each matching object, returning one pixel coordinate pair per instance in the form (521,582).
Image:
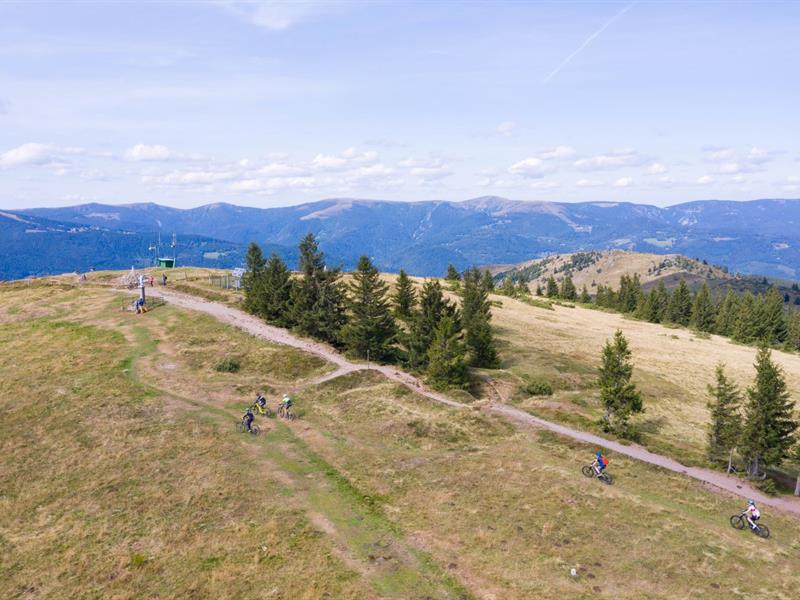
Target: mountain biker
(260,402)
(286,402)
(248,418)
(753,514)
(599,463)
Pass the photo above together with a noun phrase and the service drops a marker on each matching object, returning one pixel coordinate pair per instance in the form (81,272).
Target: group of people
(751,513)
(260,405)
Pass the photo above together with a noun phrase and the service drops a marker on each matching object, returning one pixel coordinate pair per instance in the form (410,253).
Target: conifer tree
(680,305)
(487,281)
(405,298)
(600,295)
(630,290)
(585,297)
(771,325)
(476,316)
(744,327)
(252,280)
(522,288)
(659,303)
(703,316)
(370,331)
(793,331)
(769,428)
(726,315)
(446,356)
(725,427)
(552,287)
(318,302)
(432,307)
(618,393)
(508,288)
(568,291)
(276,291)
(539,291)
(452,274)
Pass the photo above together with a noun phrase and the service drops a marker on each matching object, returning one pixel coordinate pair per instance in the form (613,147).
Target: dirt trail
(254,326)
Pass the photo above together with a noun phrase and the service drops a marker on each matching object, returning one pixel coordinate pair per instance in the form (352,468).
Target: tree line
(745,318)
(420,329)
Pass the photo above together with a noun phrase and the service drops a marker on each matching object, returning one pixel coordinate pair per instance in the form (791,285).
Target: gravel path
(250,324)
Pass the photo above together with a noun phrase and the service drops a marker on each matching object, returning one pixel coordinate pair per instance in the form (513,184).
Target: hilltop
(131,481)
(759,237)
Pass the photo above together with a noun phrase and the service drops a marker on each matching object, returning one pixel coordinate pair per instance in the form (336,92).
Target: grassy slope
(131,483)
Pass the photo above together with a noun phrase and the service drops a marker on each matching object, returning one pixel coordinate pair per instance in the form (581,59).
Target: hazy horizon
(272,104)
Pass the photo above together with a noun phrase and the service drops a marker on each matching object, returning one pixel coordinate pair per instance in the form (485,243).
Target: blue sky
(270,103)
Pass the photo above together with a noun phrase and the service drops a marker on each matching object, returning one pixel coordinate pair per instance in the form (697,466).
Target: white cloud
(148,152)
(656,169)
(543,185)
(431,173)
(717,154)
(189,178)
(506,128)
(534,168)
(759,156)
(35,154)
(558,153)
(666,179)
(705,180)
(623,182)
(731,168)
(615,159)
(328,162)
(585,183)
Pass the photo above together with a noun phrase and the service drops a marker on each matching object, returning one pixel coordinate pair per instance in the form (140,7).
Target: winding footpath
(254,326)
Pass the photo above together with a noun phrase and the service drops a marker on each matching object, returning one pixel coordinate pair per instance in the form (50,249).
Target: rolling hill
(761,236)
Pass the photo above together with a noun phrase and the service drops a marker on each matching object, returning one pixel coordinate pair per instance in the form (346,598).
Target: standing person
(151,281)
(164,279)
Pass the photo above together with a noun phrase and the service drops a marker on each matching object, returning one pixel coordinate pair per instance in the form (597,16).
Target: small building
(166,263)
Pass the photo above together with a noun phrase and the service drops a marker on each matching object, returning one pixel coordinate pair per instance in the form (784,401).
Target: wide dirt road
(254,326)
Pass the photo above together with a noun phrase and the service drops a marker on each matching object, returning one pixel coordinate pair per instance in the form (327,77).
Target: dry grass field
(123,477)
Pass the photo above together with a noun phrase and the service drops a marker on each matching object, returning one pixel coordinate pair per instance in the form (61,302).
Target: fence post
(797,486)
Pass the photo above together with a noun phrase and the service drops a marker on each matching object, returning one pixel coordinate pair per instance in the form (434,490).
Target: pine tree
(769,429)
(405,298)
(726,315)
(318,301)
(680,305)
(476,316)
(744,327)
(793,331)
(487,281)
(585,297)
(522,288)
(600,295)
(370,331)
(659,304)
(252,280)
(452,274)
(552,287)
(539,291)
(276,292)
(644,308)
(703,317)
(568,291)
(630,290)
(508,288)
(432,307)
(618,393)
(725,427)
(446,357)
(771,318)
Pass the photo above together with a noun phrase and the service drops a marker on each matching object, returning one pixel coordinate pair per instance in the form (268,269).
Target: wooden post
(797,486)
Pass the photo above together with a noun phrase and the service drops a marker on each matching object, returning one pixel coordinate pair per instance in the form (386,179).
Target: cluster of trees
(743,317)
(420,329)
(762,430)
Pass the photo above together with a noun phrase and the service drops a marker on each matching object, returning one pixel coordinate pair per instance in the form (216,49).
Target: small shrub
(229,364)
(768,487)
(138,560)
(538,387)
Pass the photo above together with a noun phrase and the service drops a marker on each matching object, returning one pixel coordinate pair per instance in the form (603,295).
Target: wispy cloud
(278,15)
(586,42)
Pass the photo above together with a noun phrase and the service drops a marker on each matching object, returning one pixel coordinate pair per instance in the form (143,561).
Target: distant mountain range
(760,236)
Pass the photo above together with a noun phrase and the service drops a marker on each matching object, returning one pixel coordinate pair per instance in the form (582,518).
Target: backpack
(604,460)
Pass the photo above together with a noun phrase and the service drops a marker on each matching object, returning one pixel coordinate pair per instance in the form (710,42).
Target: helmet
(598,454)
(286,396)
(751,502)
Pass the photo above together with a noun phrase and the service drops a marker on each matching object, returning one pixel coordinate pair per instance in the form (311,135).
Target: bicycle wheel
(255,430)
(240,427)
(587,471)
(737,522)
(761,531)
(290,415)
(606,478)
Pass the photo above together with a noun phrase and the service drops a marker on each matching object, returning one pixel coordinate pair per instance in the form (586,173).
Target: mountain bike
(588,471)
(262,411)
(242,428)
(740,522)
(287,413)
